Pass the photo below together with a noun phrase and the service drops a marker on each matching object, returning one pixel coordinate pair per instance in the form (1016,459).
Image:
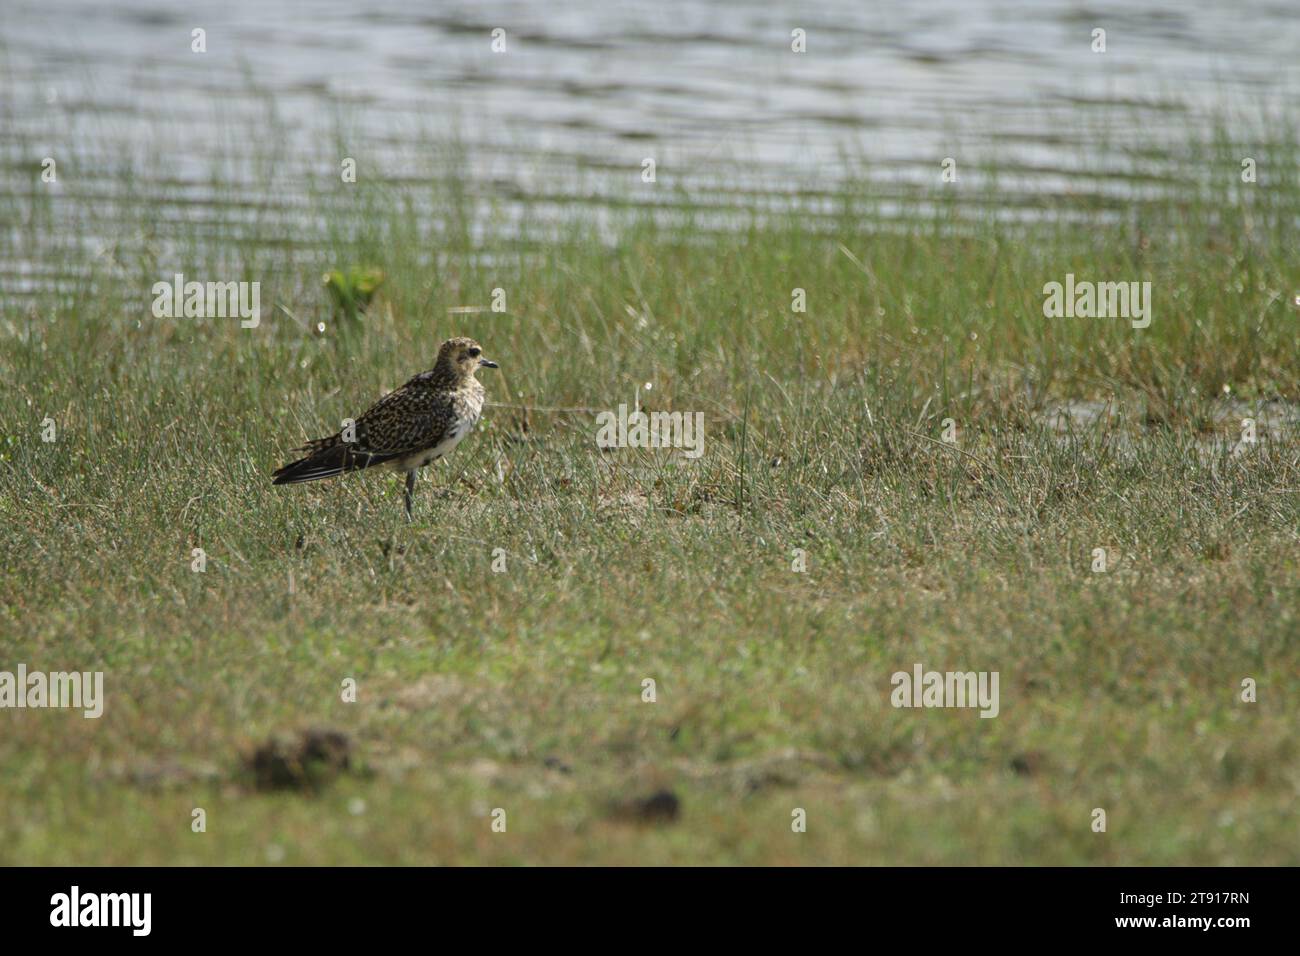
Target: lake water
(586,90)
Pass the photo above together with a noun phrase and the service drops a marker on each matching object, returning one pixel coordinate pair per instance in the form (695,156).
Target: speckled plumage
(409,427)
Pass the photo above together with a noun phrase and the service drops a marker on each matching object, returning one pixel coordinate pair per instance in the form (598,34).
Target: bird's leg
(410,490)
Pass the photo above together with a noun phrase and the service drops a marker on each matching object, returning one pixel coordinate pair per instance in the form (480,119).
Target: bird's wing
(407,419)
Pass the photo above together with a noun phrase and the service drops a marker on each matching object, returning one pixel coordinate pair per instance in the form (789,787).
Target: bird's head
(462,357)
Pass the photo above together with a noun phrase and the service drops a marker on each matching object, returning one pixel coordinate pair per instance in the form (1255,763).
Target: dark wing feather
(327,463)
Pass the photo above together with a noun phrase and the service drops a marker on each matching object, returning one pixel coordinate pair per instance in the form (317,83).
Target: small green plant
(351,291)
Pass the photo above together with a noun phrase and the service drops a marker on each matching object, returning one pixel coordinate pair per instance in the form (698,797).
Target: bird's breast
(466,418)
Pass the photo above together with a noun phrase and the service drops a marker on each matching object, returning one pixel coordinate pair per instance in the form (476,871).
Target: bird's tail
(326,461)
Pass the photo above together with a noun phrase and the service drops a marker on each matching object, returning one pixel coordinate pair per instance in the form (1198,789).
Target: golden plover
(406,429)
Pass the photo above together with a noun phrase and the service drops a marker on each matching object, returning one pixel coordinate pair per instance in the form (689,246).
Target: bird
(408,428)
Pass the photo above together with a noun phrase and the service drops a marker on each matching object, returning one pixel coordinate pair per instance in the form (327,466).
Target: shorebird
(406,429)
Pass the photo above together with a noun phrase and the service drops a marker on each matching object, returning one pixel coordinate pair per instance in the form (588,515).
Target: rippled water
(587,89)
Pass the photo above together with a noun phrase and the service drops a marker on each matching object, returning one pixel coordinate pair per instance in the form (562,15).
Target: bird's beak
(488,363)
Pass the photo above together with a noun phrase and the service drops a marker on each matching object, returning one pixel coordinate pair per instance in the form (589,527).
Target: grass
(522,690)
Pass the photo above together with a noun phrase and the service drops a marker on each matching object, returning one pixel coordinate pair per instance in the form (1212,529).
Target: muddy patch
(303,760)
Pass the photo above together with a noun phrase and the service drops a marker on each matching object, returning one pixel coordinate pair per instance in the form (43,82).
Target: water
(586,90)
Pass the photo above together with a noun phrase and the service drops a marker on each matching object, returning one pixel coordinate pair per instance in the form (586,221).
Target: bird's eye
(475,353)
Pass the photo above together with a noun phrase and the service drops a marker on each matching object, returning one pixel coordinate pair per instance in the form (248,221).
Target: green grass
(522,690)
